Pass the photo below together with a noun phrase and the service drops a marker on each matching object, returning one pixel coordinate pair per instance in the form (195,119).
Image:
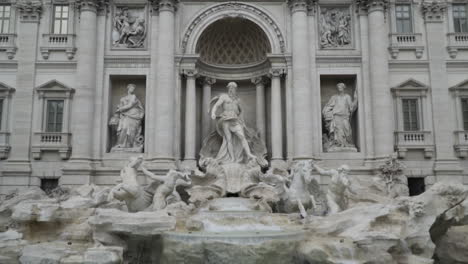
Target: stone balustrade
(58,42)
(457,41)
(51,141)
(406,41)
(7,43)
(461,143)
(4,144)
(405,140)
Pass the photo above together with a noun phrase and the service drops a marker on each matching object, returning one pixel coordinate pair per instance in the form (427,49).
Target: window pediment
(6,90)
(54,88)
(460,87)
(410,87)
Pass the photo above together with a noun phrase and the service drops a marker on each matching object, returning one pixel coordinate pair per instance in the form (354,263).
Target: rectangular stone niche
(328,89)
(118,90)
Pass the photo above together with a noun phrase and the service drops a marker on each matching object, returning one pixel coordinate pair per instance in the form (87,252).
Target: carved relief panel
(335,27)
(129,27)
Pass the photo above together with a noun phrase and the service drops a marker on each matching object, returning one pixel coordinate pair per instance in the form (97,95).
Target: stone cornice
(29,10)
(433,11)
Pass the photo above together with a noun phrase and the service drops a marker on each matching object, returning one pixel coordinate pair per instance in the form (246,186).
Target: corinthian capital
(298,5)
(372,5)
(168,5)
(433,11)
(30,10)
(92,5)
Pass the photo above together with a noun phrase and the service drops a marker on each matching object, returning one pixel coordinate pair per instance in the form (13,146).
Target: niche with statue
(127,114)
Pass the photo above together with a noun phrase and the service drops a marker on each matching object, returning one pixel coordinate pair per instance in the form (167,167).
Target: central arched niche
(233,42)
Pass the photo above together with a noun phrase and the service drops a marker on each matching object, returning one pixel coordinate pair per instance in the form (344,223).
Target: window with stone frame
(460,22)
(5,13)
(54,115)
(464,105)
(410,114)
(60,19)
(404,19)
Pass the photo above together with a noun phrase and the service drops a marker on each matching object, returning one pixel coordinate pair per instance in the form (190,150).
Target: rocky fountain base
(364,222)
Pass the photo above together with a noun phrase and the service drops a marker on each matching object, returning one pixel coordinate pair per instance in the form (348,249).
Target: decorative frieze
(433,11)
(335,27)
(29,10)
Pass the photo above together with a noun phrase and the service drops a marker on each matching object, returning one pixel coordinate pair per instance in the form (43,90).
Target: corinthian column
(276,117)
(382,104)
(260,110)
(206,117)
(190,118)
(83,101)
(302,121)
(165,87)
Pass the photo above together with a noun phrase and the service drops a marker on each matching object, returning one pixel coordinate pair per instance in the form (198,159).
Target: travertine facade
(65,65)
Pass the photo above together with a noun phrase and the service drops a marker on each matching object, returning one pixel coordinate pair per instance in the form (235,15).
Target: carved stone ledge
(456,41)
(4,145)
(433,11)
(55,42)
(47,141)
(29,10)
(408,41)
(416,140)
(7,43)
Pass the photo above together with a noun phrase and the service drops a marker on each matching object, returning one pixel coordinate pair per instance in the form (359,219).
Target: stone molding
(201,19)
(433,11)
(29,10)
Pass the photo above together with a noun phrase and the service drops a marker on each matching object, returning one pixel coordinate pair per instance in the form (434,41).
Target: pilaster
(446,162)
(206,117)
(260,83)
(29,16)
(190,118)
(277,159)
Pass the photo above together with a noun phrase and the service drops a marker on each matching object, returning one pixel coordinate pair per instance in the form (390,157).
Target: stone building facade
(66,66)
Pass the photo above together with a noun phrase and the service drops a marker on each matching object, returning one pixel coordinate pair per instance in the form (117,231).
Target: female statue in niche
(336,114)
(128,119)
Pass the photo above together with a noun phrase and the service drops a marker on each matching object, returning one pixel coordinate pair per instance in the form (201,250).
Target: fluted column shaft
(190,115)
(83,101)
(302,122)
(206,117)
(276,116)
(382,107)
(165,88)
(260,106)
